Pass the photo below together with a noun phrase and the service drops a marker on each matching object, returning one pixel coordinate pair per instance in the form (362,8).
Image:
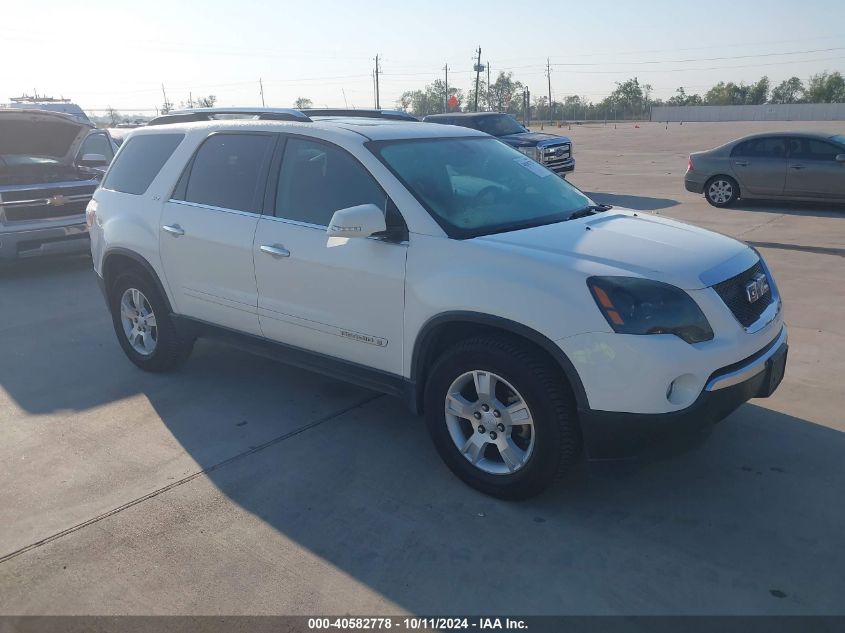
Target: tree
(629,98)
(114,116)
(505,94)
(681,98)
(429,100)
(788,91)
(727,94)
(758,93)
(206,102)
(541,108)
(302,102)
(826,88)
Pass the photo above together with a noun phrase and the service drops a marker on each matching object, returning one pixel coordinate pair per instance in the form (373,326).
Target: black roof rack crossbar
(210,114)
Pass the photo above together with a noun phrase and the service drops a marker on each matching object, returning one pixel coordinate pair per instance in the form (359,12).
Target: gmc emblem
(757,287)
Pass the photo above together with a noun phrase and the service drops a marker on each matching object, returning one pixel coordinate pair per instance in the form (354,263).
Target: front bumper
(54,240)
(613,436)
(563,168)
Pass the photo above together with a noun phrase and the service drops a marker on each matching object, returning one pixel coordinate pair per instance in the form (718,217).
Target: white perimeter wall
(767,112)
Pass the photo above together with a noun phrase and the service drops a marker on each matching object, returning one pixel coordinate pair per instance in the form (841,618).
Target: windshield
(839,138)
(477,186)
(501,125)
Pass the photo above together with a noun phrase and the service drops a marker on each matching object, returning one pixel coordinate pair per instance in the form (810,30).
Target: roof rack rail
(396,115)
(191,115)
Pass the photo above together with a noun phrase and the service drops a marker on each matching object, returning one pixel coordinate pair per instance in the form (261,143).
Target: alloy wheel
(489,422)
(720,191)
(139,321)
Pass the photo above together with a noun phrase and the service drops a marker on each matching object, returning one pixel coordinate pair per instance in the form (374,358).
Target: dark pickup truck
(50,165)
(555,152)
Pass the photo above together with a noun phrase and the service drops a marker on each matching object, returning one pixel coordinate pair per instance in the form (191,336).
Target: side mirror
(94,160)
(840,158)
(361,221)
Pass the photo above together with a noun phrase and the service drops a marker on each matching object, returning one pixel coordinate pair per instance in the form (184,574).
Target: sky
(119,53)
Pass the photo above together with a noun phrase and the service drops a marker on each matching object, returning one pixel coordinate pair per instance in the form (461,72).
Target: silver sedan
(794,166)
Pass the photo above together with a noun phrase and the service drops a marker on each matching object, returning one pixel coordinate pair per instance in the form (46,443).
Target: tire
(547,448)
(165,348)
(721,191)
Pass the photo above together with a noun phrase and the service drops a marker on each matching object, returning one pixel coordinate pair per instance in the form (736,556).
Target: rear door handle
(174,229)
(741,163)
(797,166)
(276,250)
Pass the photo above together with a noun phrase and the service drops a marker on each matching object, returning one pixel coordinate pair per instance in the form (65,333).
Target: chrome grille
(555,156)
(24,205)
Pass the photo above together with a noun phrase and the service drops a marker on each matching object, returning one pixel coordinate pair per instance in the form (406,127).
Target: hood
(620,242)
(40,133)
(524,139)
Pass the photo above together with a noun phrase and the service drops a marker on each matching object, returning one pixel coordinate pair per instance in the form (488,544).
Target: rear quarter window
(139,161)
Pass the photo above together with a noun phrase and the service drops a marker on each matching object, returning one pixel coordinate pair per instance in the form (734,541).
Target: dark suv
(555,152)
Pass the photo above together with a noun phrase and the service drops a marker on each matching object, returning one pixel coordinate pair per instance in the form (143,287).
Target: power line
(685,70)
(706,59)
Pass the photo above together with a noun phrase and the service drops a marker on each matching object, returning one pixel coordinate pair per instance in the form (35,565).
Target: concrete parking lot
(241,486)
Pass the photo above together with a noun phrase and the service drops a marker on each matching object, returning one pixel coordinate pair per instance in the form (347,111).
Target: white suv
(438,264)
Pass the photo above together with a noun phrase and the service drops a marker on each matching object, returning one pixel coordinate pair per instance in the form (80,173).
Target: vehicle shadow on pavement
(327,498)
(755,510)
(637,203)
(810,209)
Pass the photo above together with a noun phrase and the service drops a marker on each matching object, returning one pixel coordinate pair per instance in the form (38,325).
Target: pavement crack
(230,460)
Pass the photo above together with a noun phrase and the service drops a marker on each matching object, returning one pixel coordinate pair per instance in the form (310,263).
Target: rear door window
(139,162)
(229,171)
(812,149)
(768,147)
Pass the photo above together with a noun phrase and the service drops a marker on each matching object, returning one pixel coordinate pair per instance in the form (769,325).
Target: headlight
(531,152)
(642,306)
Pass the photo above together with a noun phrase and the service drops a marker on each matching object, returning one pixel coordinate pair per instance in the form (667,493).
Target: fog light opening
(683,390)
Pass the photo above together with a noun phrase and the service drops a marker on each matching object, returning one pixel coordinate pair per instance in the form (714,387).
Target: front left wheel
(501,417)
(143,325)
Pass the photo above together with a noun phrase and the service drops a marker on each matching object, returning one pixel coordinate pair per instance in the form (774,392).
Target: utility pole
(446,97)
(488,84)
(190,99)
(261,88)
(477,77)
(549,75)
(166,102)
(528,105)
(378,104)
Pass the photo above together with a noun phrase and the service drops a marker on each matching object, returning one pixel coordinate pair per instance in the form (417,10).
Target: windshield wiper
(589,210)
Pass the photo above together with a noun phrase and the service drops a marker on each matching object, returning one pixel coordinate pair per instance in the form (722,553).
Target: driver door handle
(174,229)
(276,250)
(797,166)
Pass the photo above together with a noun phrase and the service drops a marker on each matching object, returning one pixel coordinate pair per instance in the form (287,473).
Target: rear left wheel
(143,325)
(721,191)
